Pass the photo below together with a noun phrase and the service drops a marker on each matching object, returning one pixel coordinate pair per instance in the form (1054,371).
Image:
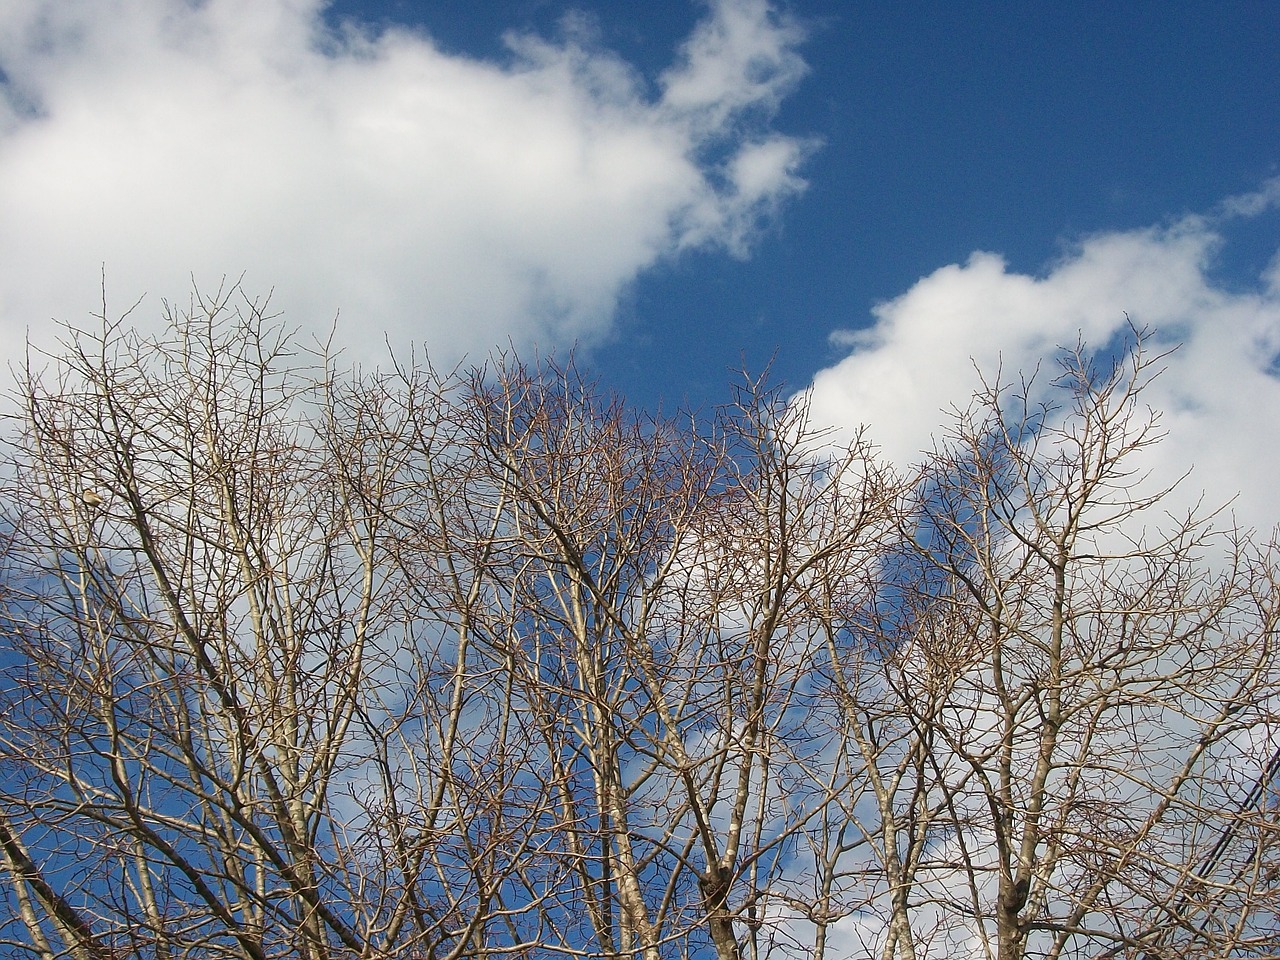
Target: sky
(878,198)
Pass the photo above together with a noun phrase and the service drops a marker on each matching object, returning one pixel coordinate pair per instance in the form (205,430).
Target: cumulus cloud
(436,197)
(1219,397)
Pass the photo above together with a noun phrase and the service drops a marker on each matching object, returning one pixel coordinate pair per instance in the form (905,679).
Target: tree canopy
(304,662)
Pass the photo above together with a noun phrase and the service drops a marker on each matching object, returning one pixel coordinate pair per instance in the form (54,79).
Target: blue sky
(676,186)
(945,128)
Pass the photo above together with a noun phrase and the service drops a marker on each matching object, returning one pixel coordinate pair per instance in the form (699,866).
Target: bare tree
(316,665)
(300,663)
(230,728)
(1069,721)
(668,647)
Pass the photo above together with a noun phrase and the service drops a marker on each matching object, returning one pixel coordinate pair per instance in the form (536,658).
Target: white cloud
(742,58)
(433,196)
(1219,397)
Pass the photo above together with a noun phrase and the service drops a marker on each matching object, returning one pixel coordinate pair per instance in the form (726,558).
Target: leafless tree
(1068,709)
(668,584)
(319,664)
(230,728)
